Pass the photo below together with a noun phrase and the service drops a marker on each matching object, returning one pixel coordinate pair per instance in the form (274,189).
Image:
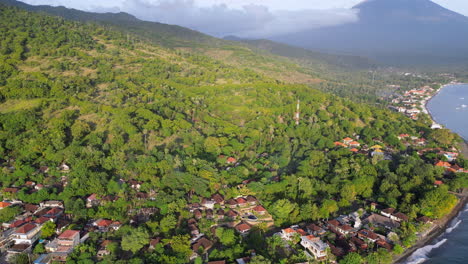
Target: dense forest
(117,108)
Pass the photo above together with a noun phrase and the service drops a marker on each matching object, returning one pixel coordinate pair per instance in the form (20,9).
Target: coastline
(441,225)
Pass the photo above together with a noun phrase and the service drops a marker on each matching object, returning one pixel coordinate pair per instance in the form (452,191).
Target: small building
(315,246)
(243,228)
(259,210)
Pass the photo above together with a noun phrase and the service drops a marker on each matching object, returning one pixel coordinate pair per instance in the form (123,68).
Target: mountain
(285,63)
(394,31)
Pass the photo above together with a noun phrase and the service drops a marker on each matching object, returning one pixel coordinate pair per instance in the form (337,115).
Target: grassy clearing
(19,105)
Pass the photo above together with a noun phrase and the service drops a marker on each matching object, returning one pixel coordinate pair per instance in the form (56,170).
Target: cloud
(252,20)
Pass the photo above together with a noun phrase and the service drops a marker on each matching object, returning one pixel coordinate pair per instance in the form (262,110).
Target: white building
(314,245)
(26,234)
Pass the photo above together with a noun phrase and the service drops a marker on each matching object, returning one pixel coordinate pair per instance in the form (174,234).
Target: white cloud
(248,21)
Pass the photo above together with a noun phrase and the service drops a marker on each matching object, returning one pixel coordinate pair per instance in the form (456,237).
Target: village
(364,230)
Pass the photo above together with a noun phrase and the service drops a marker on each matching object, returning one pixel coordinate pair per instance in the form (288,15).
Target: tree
(227,237)
(352,258)
(39,249)
(48,229)
(135,239)
(20,259)
(259,259)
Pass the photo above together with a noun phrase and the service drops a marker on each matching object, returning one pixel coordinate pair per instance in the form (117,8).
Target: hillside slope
(152,131)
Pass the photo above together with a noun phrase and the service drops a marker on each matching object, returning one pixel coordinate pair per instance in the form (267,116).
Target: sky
(243,18)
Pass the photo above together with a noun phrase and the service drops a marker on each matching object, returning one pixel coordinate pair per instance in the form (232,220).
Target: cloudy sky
(244,18)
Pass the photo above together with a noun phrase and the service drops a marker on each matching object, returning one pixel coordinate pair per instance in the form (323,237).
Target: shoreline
(439,227)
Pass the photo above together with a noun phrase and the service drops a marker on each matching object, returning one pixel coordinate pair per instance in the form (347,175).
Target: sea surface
(449,108)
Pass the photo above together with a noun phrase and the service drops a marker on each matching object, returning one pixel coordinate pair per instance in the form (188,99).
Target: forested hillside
(116,109)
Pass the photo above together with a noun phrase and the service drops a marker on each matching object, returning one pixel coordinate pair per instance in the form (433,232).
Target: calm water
(449,108)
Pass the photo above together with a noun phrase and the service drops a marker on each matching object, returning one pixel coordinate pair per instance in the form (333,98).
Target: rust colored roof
(26,228)
(289,230)
(104,223)
(242,227)
(231,213)
(69,234)
(218,198)
(368,234)
(4,204)
(334,222)
(401,216)
(241,200)
(42,220)
(259,208)
(11,190)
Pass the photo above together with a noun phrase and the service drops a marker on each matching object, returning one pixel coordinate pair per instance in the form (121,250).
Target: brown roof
(220,212)
(31,207)
(69,234)
(231,202)
(424,219)
(314,227)
(202,242)
(401,216)
(11,190)
(334,222)
(155,241)
(251,199)
(42,220)
(259,208)
(388,210)
(26,228)
(346,227)
(218,198)
(217,262)
(231,213)
(104,223)
(368,234)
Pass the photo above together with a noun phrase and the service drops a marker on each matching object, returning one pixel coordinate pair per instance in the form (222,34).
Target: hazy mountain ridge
(396,31)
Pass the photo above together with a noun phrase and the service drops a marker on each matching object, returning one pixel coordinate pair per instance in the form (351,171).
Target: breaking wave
(421,255)
(452,227)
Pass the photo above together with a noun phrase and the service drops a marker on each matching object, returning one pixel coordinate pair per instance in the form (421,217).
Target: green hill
(118,108)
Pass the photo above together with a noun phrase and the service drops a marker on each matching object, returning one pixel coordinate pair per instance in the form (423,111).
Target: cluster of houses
(240,213)
(412,102)
(23,233)
(450,167)
(357,232)
(355,147)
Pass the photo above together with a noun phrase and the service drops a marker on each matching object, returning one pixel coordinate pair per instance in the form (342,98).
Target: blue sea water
(449,108)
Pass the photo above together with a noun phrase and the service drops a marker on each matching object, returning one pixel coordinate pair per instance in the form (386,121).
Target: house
(64,168)
(400,217)
(384,244)
(217,262)
(359,243)
(315,246)
(251,200)
(339,144)
(43,259)
(208,203)
(347,141)
(154,242)
(26,234)
(194,231)
(387,212)
(231,203)
(65,244)
(424,219)
(243,228)
(4,205)
(354,144)
(231,214)
(54,213)
(92,201)
(443,164)
(202,244)
(231,160)
(51,204)
(218,198)
(381,221)
(209,214)
(31,208)
(288,233)
(315,230)
(197,214)
(403,136)
(241,201)
(103,251)
(103,224)
(39,186)
(259,210)
(368,235)
(220,214)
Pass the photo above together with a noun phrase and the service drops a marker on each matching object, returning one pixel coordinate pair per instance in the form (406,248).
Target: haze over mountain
(394,31)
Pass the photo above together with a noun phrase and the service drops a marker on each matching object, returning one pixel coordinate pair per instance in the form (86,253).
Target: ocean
(449,108)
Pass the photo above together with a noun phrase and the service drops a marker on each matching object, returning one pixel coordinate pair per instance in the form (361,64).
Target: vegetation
(117,109)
